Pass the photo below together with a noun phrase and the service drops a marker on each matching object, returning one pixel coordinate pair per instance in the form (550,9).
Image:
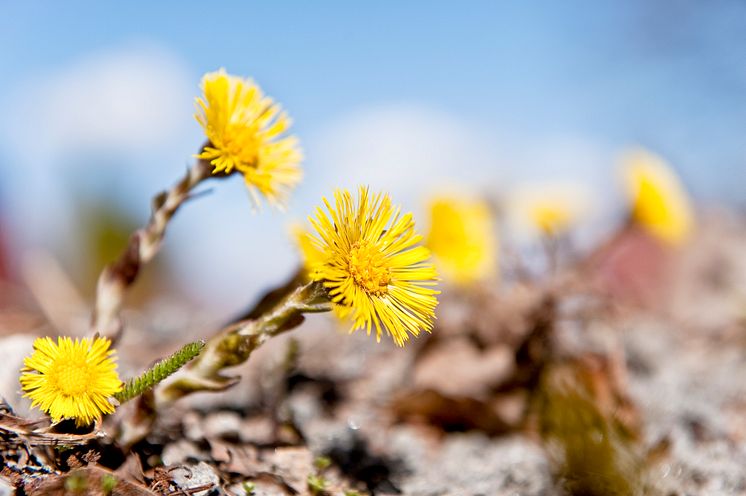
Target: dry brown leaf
(89,480)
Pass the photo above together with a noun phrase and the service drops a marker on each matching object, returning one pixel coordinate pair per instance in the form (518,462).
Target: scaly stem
(143,245)
(233,345)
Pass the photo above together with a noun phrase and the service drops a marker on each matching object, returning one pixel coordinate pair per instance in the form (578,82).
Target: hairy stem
(158,372)
(143,245)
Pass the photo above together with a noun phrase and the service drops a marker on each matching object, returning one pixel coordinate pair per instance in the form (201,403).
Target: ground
(577,383)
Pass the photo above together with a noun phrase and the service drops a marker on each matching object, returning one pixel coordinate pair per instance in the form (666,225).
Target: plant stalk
(234,344)
(143,245)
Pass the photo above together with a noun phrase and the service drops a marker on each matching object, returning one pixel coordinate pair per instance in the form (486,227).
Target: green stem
(158,372)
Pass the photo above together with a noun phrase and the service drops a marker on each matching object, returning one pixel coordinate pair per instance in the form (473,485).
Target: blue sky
(671,78)
(492,93)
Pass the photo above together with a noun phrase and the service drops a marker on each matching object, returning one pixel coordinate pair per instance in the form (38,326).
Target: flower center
(241,144)
(369,269)
(71,377)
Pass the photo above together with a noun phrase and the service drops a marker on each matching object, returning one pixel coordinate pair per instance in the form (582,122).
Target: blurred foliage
(105,229)
(593,453)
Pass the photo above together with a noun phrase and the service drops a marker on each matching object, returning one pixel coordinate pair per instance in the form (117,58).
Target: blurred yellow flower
(368,256)
(71,379)
(550,209)
(246,131)
(462,238)
(657,198)
(311,254)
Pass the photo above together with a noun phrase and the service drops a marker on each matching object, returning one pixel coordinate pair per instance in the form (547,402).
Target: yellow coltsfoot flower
(658,201)
(462,238)
(71,379)
(370,261)
(246,131)
(550,209)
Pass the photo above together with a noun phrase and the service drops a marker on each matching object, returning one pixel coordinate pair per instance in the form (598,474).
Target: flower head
(369,259)
(462,238)
(246,131)
(71,379)
(549,209)
(657,198)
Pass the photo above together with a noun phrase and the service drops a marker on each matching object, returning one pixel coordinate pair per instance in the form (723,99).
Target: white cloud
(405,149)
(559,158)
(413,151)
(128,107)
(122,100)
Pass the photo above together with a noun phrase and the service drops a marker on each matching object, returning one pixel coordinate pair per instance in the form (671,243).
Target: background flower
(548,209)
(657,199)
(462,238)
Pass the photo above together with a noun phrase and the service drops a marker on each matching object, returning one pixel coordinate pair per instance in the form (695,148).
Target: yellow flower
(372,265)
(658,200)
(246,131)
(462,238)
(550,209)
(71,379)
(312,256)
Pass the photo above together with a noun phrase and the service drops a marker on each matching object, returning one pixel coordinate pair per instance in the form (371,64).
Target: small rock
(292,464)
(222,424)
(6,487)
(13,349)
(257,430)
(180,452)
(193,426)
(190,477)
